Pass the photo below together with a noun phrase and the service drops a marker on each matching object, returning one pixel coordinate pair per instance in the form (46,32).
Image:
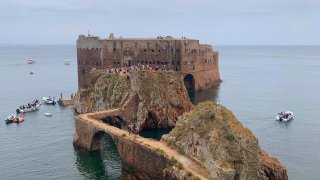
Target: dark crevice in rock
(115,121)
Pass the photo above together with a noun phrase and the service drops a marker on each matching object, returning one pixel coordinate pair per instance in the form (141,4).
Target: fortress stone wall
(198,63)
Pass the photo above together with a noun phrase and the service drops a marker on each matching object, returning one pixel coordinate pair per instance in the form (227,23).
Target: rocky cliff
(214,137)
(146,99)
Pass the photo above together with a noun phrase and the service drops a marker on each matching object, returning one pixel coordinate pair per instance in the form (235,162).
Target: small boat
(30,61)
(34,106)
(48,100)
(66,62)
(19,119)
(9,119)
(48,114)
(31,72)
(285,116)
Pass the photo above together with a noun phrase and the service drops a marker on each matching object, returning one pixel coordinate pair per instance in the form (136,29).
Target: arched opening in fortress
(105,152)
(189,82)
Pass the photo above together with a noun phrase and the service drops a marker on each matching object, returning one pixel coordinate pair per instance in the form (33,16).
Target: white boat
(48,100)
(29,109)
(285,116)
(30,61)
(48,114)
(66,62)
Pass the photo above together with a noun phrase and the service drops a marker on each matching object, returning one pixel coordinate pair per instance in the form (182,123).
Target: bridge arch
(96,140)
(189,82)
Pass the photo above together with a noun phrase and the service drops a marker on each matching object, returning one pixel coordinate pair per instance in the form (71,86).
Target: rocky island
(208,134)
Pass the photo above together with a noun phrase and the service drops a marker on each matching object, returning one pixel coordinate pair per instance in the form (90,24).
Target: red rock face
(273,169)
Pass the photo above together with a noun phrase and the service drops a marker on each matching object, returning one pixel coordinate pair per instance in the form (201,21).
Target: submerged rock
(214,137)
(147,99)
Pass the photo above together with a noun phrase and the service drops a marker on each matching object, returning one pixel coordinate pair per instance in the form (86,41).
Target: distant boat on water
(66,62)
(31,72)
(31,61)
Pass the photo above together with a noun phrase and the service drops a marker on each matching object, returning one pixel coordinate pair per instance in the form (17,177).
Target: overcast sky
(217,22)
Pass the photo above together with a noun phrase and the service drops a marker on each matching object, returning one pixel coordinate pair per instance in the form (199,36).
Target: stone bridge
(144,158)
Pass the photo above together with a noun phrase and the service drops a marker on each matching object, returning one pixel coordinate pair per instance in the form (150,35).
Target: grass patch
(230,137)
(124,135)
(196,178)
(181,151)
(174,162)
(160,151)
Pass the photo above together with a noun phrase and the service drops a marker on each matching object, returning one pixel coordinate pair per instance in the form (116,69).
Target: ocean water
(257,83)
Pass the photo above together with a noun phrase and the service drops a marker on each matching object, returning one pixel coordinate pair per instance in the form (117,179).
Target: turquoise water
(257,83)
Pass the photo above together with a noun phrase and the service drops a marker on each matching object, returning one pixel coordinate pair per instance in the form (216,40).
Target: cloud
(214,21)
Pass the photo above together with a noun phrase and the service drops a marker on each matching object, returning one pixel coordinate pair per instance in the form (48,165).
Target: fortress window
(152,50)
(114,49)
(146,62)
(165,63)
(118,62)
(83,71)
(177,50)
(185,62)
(150,62)
(159,50)
(144,50)
(97,64)
(154,62)
(178,63)
(172,62)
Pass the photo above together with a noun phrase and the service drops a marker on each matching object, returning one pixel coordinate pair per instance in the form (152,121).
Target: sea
(258,82)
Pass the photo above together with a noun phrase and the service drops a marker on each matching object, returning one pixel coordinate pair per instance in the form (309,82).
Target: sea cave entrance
(189,82)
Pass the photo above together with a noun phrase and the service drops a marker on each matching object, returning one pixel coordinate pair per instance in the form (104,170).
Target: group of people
(30,105)
(132,129)
(139,67)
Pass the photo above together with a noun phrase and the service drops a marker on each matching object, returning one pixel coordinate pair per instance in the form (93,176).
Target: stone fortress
(197,63)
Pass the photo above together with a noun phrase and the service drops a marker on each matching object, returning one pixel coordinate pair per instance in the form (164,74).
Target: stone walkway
(189,165)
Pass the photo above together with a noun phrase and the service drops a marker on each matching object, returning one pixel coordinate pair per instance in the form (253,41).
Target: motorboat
(31,72)
(285,116)
(48,100)
(28,109)
(30,61)
(9,119)
(34,106)
(66,62)
(48,114)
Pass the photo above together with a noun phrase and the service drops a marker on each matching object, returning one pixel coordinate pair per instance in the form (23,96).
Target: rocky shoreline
(208,133)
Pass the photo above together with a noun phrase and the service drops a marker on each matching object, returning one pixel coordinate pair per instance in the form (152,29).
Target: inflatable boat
(285,116)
